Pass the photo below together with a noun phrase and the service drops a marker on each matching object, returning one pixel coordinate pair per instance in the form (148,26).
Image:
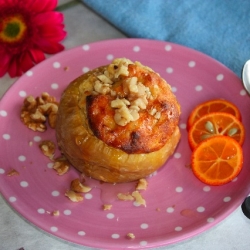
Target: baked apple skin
(98,147)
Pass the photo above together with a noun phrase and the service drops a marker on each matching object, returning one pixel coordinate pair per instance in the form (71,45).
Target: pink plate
(179,206)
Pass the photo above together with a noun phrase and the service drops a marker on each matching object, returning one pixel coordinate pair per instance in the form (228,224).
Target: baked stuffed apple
(119,122)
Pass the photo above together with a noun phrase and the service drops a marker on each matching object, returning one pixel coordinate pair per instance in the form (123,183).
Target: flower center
(12,29)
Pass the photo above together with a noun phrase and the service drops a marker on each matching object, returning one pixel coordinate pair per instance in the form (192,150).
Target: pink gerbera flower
(28,29)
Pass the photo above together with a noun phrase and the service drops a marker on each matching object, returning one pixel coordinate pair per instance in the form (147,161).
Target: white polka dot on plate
(67,212)
(56,65)
(169,70)
(54,86)
(21,158)
(136,49)
(3,113)
(41,211)
(191,64)
(183,125)
(209,220)
(198,88)
(22,93)
(177,155)
(170,210)
(168,47)
(29,73)
(50,165)
(110,57)
(81,233)
(220,77)
(12,199)
(88,196)
(144,226)
(243,92)
(179,189)
(227,199)
(154,173)
(115,236)
(178,229)
(200,209)
(54,229)
(85,69)
(174,89)
(2,171)
(110,216)
(55,193)
(24,184)
(85,47)
(235,179)
(37,138)
(136,204)
(6,136)
(143,243)
(206,189)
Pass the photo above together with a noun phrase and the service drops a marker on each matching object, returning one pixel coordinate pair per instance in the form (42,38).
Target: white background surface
(84,26)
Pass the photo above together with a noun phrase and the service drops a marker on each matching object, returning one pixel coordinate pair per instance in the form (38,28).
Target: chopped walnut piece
(56,213)
(77,186)
(52,119)
(131,236)
(12,172)
(135,92)
(125,197)
(157,115)
(138,198)
(61,165)
(35,111)
(107,206)
(48,148)
(142,184)
(73,196)
(127,110)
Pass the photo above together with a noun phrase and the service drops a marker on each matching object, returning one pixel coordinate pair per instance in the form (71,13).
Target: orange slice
(217,160)
(217,105)
(214,124)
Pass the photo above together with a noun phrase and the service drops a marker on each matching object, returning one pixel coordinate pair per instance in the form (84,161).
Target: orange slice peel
(217,160)
(211,106)
(214,124)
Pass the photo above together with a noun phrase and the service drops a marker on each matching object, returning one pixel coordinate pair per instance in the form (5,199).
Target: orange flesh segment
(217,160)
(223,124)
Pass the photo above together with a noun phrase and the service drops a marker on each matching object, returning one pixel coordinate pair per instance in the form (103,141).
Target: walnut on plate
(48,148)
(36,111)
(78,187)
(61,165)
(73,196)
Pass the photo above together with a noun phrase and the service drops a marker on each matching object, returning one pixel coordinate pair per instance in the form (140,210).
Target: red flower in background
(28,29)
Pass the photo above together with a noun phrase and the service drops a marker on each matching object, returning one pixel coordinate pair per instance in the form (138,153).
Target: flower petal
(8,2)
(42,6)
(52,33)
(49,47)
(46,31)
(14,70)
(25,62)
(48,18)
(37,55)
(4,62)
